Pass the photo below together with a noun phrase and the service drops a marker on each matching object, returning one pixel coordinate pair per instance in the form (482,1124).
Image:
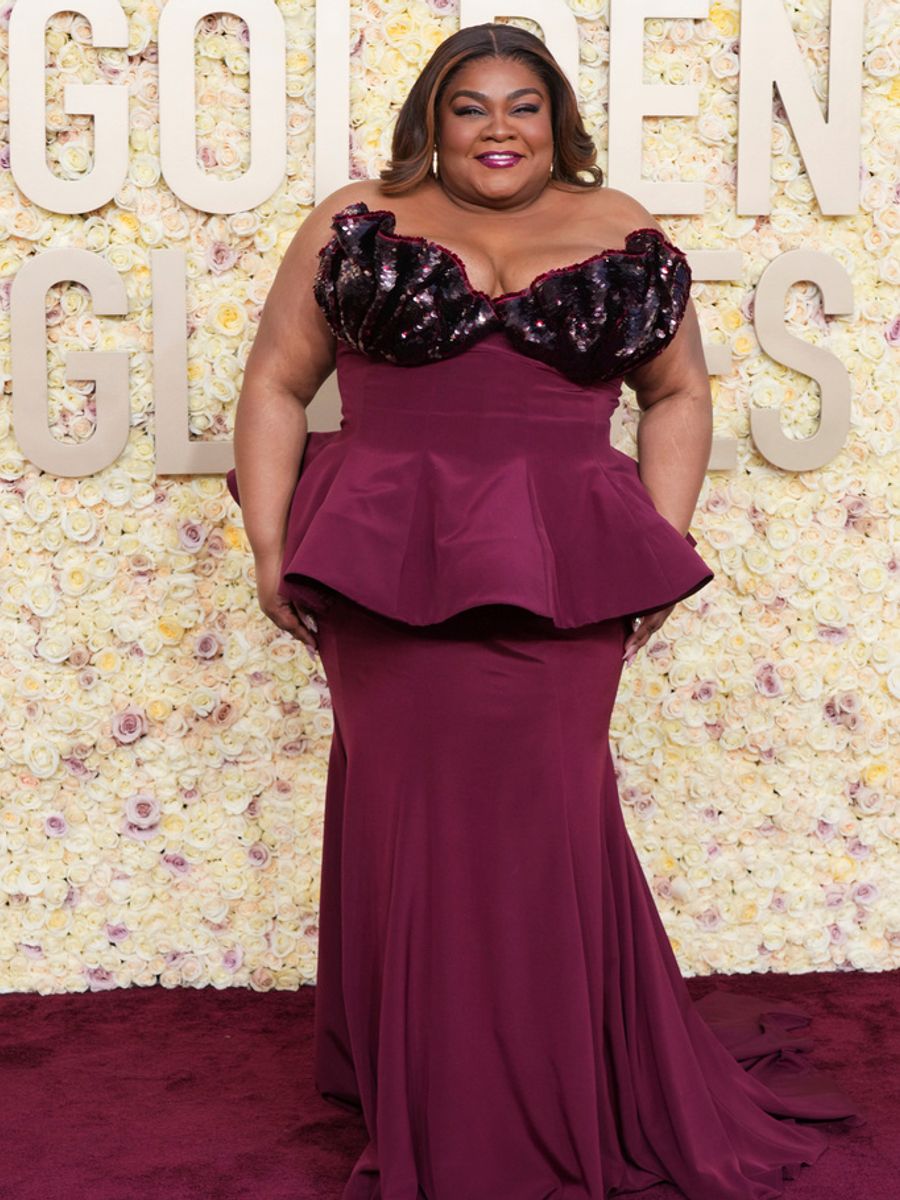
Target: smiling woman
(518,132)
(496,993)
(550,118)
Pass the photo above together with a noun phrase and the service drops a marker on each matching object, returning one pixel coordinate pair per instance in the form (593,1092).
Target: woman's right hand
(277,608)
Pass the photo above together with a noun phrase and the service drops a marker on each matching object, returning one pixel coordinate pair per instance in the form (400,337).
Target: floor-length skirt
(496,992)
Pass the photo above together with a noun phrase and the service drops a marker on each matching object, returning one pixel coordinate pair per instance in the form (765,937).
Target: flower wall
(163,747)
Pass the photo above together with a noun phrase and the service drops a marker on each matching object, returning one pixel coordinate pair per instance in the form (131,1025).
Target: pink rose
(138,833)
(233,958)
(77,768)
(129,725)
(834,634)
(768,682)
(177,864)
(710,918)
(259,855)
(191,536)
(142,810)
(99,979)
(646,807)
(220,257)
(208,645)
(223,715)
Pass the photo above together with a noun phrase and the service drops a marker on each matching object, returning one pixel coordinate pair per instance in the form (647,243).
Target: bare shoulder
(315,229)
(367,190)
(619,212)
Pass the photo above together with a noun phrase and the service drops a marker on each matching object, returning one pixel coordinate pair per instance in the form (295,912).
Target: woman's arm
(292,355)
(674,436)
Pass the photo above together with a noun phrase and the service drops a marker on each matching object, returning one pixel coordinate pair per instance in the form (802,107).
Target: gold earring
(434,162)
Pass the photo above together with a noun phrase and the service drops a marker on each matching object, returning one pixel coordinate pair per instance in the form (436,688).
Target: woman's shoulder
(316,227)
(613,210)
(367,191)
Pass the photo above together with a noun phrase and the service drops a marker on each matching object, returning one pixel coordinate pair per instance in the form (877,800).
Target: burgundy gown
(496,993)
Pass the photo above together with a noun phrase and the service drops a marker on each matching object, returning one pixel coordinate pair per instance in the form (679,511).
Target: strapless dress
(496,993)
(473,462)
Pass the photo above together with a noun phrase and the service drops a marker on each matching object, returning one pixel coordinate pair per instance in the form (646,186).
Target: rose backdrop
(164,747)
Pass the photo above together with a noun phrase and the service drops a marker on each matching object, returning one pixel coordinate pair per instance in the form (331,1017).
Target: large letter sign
(107,103)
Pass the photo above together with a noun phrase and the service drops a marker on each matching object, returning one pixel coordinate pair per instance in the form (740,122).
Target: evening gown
(496,993)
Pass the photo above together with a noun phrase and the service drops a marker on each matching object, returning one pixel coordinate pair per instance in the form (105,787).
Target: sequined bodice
(409,301)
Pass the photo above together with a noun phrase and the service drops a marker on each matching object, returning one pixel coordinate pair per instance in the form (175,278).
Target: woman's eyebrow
(481,96)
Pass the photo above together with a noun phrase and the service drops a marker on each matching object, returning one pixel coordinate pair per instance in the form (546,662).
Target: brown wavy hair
(412,145)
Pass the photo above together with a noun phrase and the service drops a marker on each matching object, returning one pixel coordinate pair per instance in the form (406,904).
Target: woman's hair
(412,146)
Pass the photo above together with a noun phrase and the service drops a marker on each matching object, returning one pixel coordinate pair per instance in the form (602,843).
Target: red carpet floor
(199,1094)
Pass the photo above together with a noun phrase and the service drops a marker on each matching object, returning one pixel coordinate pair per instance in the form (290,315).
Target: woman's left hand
(648,624)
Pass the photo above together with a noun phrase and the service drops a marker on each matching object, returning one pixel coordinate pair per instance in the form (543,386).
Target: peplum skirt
(496,994)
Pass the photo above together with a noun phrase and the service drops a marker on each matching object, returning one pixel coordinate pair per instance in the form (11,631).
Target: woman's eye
(522,108)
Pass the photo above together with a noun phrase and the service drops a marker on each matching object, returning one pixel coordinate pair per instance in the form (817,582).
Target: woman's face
(494,132)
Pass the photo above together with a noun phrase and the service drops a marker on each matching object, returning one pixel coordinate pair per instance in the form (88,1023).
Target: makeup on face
(499,159)
(496,117)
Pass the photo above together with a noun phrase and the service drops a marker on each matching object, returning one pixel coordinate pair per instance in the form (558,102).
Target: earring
(434,162)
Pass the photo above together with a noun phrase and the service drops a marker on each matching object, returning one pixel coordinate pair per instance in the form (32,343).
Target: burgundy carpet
(156,1094)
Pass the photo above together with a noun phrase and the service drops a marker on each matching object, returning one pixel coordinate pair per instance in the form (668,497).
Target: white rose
(73,159)
(144,169)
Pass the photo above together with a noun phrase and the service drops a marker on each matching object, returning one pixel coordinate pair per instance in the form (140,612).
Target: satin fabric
(496,992)
(481,479)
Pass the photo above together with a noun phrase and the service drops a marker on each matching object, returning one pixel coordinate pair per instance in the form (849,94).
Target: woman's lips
(499,159)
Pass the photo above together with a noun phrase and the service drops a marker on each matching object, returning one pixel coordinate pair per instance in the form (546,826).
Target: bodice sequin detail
(473,464)
(409,301)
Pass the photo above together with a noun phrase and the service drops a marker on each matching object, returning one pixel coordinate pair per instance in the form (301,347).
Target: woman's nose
(498,127)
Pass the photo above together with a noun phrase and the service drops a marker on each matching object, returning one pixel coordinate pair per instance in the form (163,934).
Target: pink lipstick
(499,158)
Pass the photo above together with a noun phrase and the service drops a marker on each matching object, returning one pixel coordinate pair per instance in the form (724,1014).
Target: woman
(496,992)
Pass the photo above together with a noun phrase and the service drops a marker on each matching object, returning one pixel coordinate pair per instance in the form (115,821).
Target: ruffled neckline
(642,237)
